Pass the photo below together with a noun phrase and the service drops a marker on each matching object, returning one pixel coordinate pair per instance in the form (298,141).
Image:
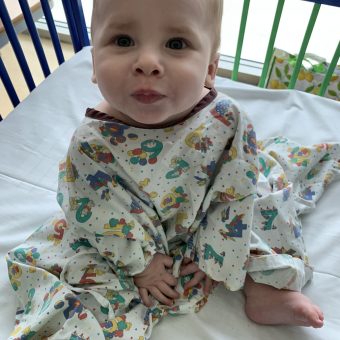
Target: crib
(35,135)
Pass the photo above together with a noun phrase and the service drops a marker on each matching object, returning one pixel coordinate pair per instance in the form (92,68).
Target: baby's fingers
(190,268)
(157,294)
(167,290)
(195,280)
(144,294)
(169,279)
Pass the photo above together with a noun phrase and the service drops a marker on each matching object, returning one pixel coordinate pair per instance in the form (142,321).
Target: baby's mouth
(147,96)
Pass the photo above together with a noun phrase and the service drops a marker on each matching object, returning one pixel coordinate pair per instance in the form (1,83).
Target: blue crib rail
(77,26)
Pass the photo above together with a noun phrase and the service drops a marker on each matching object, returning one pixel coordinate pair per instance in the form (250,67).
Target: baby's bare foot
(270,306)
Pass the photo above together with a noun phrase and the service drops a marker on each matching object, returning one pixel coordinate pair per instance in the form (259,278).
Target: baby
(166,192)
(154,61)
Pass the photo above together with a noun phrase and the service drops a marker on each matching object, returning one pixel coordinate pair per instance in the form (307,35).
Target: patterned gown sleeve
(99,204)
(221,243)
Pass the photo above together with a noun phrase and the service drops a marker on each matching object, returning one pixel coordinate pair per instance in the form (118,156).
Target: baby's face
(152,58)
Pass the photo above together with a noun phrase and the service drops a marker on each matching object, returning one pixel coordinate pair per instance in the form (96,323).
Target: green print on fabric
(147,153)
(29,305)
(210,253)
(115,328)
(173,200)
(82,242)
(299,156)
(265,167)
(27,255)
(179,166)
(234,228)
(14,273)
(57,286)
(269,215)
(83,208)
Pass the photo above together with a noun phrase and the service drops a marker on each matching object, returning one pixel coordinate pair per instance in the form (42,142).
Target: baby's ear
(212,70)
(93,77)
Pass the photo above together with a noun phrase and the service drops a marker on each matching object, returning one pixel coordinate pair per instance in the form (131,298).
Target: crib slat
(52,30)
(79,18)
(6,80)
(72,25)
(271,43)
(330,71)
(12,36)
(35,37)
(241,33)
(304,45)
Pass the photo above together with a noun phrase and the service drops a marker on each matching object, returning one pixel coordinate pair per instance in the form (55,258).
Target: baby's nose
(148,64)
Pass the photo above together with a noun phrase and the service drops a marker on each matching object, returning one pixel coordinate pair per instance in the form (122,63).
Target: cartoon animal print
(249,138)
(197,141)
(98,153)
(269,215)
(299,156)
(222,113)
(59,227)
(210,253)
(115,328)
(147,153)
(179,167)
(173,200)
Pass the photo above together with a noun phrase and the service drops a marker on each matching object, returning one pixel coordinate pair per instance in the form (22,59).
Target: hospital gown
(203,189)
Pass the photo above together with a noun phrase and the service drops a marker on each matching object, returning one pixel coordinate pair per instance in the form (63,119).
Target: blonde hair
(215,13)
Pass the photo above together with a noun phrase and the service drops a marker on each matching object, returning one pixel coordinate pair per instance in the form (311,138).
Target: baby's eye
(124,41)
(176,44)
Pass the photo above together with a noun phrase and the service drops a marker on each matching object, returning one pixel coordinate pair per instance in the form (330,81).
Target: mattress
(35,137)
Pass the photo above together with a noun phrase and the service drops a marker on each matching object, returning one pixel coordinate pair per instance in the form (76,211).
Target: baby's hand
(157,281)
(189,267)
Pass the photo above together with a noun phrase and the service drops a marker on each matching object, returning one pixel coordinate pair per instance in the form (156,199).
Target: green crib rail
(271,43)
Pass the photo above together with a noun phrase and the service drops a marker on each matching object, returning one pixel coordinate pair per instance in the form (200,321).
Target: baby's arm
(157,281)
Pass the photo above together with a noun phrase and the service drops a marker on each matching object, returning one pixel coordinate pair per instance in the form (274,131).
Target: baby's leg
(270,306)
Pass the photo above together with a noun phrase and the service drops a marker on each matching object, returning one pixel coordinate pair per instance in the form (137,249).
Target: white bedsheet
(34,138)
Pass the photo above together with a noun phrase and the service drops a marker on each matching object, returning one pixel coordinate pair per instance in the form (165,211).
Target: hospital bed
(34,138)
